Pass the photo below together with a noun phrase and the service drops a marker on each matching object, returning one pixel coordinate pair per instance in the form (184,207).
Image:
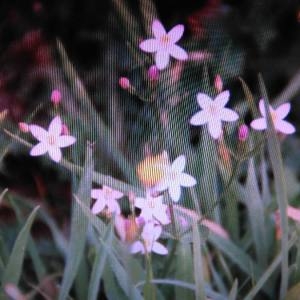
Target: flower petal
(283,110)
(98,206)
(284,127)
(139,202)
(150,45)
(179,164)
(262,107)
(187,180)
(162,58)
(97,194)
(161,215)
(215,128)
(65,141)
(54,153)
(199,118)
(38,149)
(159,249)
(203,100)
(176,33)
(162,185)
(113,206)
(174,191)
(38,132)
(137,247)
(116,194)
(222,99)
(227,114)
(156,231)
(158,29)
(55,126)
(178,52)
(259,124)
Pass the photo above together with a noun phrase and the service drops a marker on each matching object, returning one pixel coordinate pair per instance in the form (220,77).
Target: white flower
(213,113)
(106,197)
(277,116)
(50,141)
(164,44)
(152,208)
(175,178)
(151,232)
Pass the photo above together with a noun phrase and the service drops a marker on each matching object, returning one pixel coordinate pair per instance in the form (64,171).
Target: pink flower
(174,178)
(243,133)
(153,73)
(152,208)
(277,116)
(56,97)
(218,83)
(124,83)
(213,113)
(150,234)
(24,127)
(106,197)
(164,44)
(50,141)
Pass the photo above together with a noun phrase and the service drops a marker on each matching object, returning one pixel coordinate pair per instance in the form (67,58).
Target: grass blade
(233,292)
(79,225)
(13,268)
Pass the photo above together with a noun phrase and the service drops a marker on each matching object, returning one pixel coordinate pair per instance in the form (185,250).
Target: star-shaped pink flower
(106,197)
(277,116)
(152,207)
(50,141)
(213,113)
(150,234)
(164,44)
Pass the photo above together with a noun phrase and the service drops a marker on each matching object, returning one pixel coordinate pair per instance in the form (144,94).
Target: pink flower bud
(24,127)
(124,83)
(243,133)
(153,73)
(55,97)
(218,83)
(65,130)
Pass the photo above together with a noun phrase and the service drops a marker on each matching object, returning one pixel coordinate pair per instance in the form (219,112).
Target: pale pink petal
(139,202)
(150,45)
(162,59)
(98,206)
(176,33)
(262,107)
(284,127)
(293,213)
(216,228)
(187,180)
(113,206)
(259,124)
(179,164)
(204,100)
(156,231)
(159,249)
(116,194)
(137,247)
(54,153)
(177,52)
(174,191)
(146,214)
(222,99)
(161,216)
(283,110)
(227,114)
(38,132)
(158,29)
(97,194)
(215,128)
(55,126)
(65,141)
(162,185)
(38,149)
(199,118)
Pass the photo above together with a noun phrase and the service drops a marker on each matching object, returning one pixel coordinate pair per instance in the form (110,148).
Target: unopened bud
(124,83)
(24,127)
(55,97)
(243,133)
(218,83)
(65,130)
(153,73)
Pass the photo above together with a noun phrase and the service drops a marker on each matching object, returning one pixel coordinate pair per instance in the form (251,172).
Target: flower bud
(23,127)
(243,133)
(124,83)
(218,83)
(65,129)
(55,97)
(153,73)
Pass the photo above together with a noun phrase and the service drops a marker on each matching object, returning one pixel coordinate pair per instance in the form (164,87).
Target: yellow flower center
(273,117)
(165,39)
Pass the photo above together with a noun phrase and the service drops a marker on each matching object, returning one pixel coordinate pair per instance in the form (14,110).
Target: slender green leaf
(13,268)
(99,264)
(280,187)
(198,264)
(2,195)
(234,290)
(79,225)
